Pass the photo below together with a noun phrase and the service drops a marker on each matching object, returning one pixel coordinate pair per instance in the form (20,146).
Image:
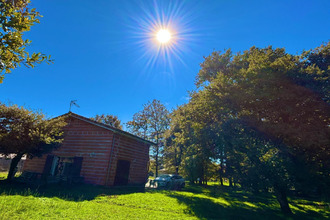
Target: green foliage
(111,120)
(262,95)
(174,144)
(151,123)
(16,18)
(315,71)
(25,132)
(263,115)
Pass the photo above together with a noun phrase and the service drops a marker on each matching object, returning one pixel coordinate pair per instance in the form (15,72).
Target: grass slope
(194,202)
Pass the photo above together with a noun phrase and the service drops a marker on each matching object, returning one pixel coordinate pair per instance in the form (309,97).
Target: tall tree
(174,142)
(107,119)
(16,17)
(190,142)
(151,123)
(23,132)
(264,114)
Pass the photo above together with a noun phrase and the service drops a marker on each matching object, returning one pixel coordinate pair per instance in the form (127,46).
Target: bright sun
(163,36)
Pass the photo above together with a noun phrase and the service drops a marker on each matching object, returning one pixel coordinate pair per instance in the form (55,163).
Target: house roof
(108,127)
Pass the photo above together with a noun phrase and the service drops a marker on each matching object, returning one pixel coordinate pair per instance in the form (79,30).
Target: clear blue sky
(106,59)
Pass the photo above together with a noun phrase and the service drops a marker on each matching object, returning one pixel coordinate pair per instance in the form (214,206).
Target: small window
(65,166)
(62,166)
(54,166)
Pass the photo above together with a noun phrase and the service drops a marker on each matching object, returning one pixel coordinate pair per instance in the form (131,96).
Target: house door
(122,173)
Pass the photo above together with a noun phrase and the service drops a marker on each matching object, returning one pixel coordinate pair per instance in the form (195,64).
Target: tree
(190,141)
(23,132)
(258,87)
(151,124)
(173,149)
(264,116)
(16,17)
(111,120)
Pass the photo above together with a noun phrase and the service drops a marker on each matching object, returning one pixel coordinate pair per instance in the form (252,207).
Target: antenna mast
(73,102)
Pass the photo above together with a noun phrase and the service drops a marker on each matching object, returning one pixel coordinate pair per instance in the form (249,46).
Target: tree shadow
(78,192)
(227,203)
(202,202)
(232,193)
(205,208)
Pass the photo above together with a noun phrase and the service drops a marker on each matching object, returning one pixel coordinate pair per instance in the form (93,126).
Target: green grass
(3,175)
(194,202)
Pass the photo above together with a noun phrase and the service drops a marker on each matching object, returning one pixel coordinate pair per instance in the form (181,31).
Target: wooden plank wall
(94,143)
(136,153)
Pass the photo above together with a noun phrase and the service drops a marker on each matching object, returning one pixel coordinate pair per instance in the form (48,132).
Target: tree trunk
(230,182)
(221,181)
(221,171)
(176,162)
(205,177)
(202,174)
(281,197)
(157,152)
(156,161)
(13,166)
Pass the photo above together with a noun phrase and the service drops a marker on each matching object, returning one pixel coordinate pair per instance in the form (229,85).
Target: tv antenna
(73,102)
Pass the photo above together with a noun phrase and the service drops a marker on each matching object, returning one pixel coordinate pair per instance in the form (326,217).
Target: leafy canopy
(263,115)
(107,119)
(25,132)
(16,17)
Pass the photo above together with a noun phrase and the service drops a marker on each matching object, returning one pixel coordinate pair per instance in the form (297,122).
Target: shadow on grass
(205,208)
(226,203)
(79,192)
(210,202)
(233,194)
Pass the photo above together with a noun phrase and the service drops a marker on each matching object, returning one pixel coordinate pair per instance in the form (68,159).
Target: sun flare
(163,36)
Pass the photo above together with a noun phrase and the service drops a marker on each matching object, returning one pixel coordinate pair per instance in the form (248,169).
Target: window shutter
(77,163)
(48,165)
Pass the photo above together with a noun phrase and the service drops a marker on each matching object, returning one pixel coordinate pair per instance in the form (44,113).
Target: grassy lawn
(3,175)
(194,202)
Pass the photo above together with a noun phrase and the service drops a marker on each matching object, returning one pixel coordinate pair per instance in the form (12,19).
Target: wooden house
(96,153)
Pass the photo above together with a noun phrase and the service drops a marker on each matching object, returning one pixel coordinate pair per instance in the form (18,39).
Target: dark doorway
(122,173)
